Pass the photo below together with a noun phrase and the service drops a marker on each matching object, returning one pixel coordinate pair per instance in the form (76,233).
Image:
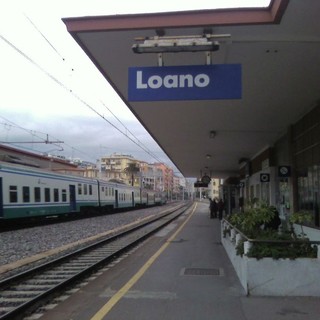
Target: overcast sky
(40,63)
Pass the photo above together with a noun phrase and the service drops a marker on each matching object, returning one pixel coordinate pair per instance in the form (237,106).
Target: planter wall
(269,277)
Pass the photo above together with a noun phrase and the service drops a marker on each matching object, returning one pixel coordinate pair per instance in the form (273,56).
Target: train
(27,192)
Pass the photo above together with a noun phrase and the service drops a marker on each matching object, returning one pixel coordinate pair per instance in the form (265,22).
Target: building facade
(155,176)
(115,167)
(285,175)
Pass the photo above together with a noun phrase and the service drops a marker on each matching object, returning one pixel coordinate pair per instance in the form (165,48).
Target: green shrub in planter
(300,248)
(251,223)
(300,218)
(253,218)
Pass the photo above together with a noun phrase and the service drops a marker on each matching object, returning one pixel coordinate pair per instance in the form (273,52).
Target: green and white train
(27,192)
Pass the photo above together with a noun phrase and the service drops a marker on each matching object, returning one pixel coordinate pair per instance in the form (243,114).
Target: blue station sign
(200,82)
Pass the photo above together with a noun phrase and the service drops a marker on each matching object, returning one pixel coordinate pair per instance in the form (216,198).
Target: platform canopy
(278,49)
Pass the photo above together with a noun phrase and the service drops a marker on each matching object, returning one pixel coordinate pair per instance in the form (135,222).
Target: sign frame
(195,82)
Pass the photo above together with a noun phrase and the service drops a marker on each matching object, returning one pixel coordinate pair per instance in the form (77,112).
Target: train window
(90,189)
(47,194)
(85,189)
(37,194)
(26,194)
(64,195)
(13,190)
(56,195)
(79,188)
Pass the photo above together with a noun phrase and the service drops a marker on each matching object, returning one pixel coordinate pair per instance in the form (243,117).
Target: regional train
(27,192)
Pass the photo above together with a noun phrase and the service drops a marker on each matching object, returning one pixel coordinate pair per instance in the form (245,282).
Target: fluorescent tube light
(171,44)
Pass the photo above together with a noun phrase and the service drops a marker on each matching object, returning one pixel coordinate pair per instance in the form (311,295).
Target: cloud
(51,91)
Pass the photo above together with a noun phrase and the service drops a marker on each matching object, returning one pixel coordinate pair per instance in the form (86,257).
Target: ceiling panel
(280,83)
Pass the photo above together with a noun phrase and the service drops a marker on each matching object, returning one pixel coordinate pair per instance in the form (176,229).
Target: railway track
(24,292)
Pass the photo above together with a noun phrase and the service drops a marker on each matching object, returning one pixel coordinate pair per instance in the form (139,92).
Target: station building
(257,130)
(287,174)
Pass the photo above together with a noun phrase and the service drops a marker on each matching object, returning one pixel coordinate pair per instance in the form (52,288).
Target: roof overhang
(277,47)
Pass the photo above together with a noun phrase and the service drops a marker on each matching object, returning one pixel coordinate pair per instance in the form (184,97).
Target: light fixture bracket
(173,44)
(212,134)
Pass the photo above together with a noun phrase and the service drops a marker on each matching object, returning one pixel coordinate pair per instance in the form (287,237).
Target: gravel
(20,244)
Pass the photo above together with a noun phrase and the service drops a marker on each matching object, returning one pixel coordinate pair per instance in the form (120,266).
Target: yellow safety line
(117,296)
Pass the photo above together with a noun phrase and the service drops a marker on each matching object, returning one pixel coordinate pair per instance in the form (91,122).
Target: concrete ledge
(270,277)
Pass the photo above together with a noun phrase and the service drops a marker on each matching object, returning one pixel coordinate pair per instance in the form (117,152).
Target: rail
(23,292)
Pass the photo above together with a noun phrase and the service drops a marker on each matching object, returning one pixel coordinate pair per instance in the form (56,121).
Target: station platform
(182,272)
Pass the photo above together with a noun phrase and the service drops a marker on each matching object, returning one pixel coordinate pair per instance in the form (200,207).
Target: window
(26,194)
(64,195)
(257,193)
(85,189)
(13,193)
(46,194)
(79,188)
(90,189)
(37,194)
(56,195)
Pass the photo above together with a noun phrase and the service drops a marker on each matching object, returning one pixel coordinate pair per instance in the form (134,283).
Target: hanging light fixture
(160,44)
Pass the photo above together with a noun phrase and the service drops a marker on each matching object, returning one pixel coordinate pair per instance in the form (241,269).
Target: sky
(51,91)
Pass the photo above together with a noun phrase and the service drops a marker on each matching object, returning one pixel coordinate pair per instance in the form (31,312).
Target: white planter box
(270,277)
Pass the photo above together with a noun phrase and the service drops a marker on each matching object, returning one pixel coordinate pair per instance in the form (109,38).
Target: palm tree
(132,169)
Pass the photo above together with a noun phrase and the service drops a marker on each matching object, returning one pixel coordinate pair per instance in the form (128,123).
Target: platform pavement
(164,290)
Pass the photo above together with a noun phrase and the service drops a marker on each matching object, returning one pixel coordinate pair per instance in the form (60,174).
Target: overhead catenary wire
(114,126)
(57,52)
(141,143)
(37,135)
(55,143)
(61,84)
(45,38)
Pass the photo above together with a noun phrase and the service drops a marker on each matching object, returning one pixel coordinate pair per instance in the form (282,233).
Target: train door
(73,204)
(1,199)
(116,199)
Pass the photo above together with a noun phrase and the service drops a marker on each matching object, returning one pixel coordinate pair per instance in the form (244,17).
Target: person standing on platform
(213,208)
(220,208)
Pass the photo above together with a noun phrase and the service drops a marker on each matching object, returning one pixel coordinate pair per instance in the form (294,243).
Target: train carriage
(160,198)
(29,192)
(107,195)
